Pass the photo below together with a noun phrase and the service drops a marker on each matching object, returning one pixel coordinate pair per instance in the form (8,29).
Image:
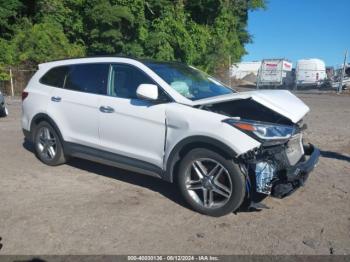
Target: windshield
(188,81)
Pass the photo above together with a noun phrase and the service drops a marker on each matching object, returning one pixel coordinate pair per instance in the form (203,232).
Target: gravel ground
(87,208)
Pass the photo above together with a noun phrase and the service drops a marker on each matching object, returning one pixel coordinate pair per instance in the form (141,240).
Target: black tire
(59,157)
(3,112)
(238,184)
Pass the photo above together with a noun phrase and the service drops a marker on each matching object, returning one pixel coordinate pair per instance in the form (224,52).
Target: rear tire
(211,184)
(48,145)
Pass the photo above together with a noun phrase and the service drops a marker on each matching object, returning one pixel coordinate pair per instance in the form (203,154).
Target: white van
(310,72)
(274,73)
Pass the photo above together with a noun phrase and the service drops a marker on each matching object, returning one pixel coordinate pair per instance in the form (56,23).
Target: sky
(297,29)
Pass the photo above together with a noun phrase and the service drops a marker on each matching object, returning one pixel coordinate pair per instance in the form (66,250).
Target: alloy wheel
(46,144)
(208,183)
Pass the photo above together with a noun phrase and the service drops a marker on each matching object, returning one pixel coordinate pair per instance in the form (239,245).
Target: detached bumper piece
(296,175)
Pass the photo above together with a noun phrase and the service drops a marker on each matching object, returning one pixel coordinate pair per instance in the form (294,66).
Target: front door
(130,126)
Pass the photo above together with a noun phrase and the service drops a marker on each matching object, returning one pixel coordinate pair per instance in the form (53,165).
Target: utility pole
(259,76)
(229,70)
(340,88)
(11,82)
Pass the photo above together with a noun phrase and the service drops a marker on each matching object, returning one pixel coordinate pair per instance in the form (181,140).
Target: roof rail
(96,56)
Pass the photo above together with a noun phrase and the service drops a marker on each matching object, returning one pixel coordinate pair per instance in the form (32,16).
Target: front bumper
(296,175)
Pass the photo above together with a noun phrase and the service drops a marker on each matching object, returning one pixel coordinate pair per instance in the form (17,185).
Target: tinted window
(55,76)
(89,78)
(125,79)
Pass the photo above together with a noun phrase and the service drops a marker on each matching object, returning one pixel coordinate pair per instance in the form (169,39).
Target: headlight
(264,131)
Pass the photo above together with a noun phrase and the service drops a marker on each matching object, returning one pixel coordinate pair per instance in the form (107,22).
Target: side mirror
(147,91)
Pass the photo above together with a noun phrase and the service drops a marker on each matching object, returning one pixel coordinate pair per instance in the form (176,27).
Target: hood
(282,102)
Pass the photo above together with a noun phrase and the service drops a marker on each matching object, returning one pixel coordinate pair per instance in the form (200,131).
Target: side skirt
(111,159)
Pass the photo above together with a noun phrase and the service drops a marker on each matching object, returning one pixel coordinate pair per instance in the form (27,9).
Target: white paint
(310,72)
(139,128)
(147,91)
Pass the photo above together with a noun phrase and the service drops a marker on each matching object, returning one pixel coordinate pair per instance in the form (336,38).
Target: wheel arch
(37,119)
(189,143)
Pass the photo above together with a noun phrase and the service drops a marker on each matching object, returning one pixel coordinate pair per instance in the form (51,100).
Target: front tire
(48,145)
(210,183)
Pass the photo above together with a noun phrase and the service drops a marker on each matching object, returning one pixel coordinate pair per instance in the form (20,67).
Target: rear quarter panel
(37,100)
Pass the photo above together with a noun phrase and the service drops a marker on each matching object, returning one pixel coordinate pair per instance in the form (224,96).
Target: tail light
(24,95)
(316,76)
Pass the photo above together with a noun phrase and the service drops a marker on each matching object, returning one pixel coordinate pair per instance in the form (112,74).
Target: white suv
(171,121)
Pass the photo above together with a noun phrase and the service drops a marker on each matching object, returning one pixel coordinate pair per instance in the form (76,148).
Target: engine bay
(247,109)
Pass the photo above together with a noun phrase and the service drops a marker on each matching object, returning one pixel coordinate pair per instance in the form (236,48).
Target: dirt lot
(87,208)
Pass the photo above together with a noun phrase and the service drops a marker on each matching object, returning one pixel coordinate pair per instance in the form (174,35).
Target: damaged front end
(272,170)
(282,162)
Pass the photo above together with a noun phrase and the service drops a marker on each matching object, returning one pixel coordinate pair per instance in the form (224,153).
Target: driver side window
(125,79)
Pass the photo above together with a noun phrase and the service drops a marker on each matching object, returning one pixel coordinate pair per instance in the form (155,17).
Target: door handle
(106,109)
(56,99)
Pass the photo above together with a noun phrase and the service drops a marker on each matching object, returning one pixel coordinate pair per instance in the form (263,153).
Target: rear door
(75,105)
(130,126)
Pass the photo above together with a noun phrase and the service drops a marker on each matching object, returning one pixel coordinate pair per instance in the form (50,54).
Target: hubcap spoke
(222,187)
(216,171)
(46,143)
(205,197)
(47,133)
(41,147)
(199,168)
(194,185)
(51,152)
(51,142)
(42,140)
(44,152)
(208,183)
(211,198)
(223,191)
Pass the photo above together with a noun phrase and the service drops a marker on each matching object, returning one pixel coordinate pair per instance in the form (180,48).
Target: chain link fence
(18,79)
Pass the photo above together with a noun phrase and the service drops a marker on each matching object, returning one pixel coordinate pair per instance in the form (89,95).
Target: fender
(194,142)
(43,117)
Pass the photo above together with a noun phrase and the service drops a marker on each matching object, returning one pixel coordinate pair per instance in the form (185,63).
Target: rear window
(55,76)
(89,78)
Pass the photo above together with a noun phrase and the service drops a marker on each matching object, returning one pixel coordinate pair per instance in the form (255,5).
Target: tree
(42,42)
(67,13)
(203,33)
(108,27)
(9,11)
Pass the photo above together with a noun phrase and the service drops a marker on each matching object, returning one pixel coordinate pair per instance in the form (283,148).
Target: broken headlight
(262,130)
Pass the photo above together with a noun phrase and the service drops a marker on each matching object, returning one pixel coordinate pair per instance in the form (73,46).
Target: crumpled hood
(280,101)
